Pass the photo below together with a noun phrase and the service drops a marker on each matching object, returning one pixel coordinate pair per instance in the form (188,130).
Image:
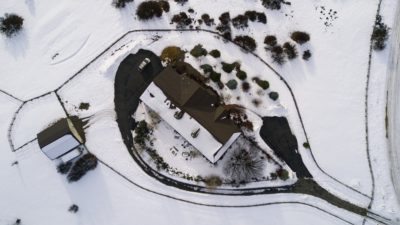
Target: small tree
(121,3)
(244,165)
(272,4)
(172,54)
(262,18)
(73,208)
(251,14)
(207,19)
(290,50)
(225,18)
(64,168)
(11,24)
(246,42)
(215,53)
(198,51)
(283,174)
(270,40)
(273,95)
(182,2)
(182,20)
(277,54)
(241,74)
(149,9)
(207,68)
(214,76)
(229,67)
(142,133)
(262,83)
(245,86)
(300,37)
(380,34)
(306,55)
(240,21)
(213,181)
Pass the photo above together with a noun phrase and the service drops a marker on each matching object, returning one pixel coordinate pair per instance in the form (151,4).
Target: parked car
(144,63)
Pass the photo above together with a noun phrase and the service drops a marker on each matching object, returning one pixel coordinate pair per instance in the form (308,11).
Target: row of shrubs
(78,169)
(241,20)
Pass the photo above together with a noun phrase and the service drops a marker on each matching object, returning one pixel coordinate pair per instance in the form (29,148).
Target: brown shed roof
(199,102)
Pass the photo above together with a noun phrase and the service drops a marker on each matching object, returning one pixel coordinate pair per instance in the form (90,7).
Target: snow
(329,89)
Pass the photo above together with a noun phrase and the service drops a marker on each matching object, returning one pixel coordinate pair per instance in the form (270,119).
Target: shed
(61,138)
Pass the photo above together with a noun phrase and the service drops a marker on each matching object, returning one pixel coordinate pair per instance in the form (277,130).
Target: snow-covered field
(59,38)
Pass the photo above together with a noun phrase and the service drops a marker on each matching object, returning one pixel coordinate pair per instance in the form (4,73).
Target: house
(193,111)
(62,140)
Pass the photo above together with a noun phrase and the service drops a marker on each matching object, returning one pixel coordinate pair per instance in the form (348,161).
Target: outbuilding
(62,140)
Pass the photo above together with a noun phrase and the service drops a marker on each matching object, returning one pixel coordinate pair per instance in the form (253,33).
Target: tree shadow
(17,44)
(31,6)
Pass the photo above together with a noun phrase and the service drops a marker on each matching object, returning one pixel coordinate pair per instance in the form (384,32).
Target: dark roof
(199,102)
(56,131)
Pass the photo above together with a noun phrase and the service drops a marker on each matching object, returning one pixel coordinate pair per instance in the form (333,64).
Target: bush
(182,20)
(149,9)
(172,54)
(165,5)
(262,83)
(207,68)
(246,42)
(213,181)
(252,15)
(81,167)
(240,21)
(11,24)
(272,4)
(283,174)
(215,53)
(300,37)
(142,133)
(228,67)
(379,34)
(198,51)
(73,208)
(214,76)
(121,3)
(306,55)
(290,50)
(182,2)
(306,145)
(232,84)
(244,165)
(207,19)
(225,18)
(64,168)
(277,54)
(245,86)
(270,40)
(241,74)
(273,95)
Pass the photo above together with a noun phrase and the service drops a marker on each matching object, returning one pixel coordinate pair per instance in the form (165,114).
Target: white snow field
(61,37)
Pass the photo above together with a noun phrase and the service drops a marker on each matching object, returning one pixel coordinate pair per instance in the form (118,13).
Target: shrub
(283,174)
(232,84)
(245,86)
(121,3)
(84,106)
(225,18)
(306,145)
(181,20)
(82,166)
(262,83)
(213,181)
(227,35)
(240,21)
(300,37)
(244,165)
(228,67)
(142,133)
(306,55)
(11,24)
(214,76)
(149,9)
(270,40)
(379,34)
(207,19)
(241,74)
(17,222)
(246,42)
(277,54)
(207,68)
(73,208)
(252,15)
(273,95)
(262,18)
(198,51)
(272,4)
(215,53)
(172,54)
(223,28)
(256,102)
(64,168)
(290,50)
